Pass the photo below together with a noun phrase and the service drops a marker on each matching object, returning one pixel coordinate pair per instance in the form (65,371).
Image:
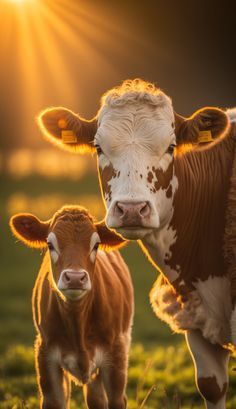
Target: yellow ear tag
(68,136)
(205,136)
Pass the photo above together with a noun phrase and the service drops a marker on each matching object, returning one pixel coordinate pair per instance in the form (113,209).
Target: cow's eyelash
(98,148)
(171,148)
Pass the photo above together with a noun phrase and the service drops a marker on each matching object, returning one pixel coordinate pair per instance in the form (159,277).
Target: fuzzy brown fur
(84,338)
(230,226)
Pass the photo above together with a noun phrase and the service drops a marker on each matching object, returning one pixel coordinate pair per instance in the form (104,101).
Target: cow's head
(72,239)
(135,133)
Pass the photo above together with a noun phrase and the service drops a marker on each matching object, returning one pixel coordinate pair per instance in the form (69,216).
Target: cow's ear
(204,125)
(30,230)
(109,238)
(67,130)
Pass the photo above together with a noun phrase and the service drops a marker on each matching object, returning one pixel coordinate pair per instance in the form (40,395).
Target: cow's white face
(135,145)
(134,133)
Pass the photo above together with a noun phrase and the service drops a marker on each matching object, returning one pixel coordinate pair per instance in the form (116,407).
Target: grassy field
(159,360)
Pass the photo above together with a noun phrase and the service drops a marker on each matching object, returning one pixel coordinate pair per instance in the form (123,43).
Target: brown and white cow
(174,202)
(82,308)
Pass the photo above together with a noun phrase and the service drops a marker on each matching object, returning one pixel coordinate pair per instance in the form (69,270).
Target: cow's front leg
(211,369)
(50,379)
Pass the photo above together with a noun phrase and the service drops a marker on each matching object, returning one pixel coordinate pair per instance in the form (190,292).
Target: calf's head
(135,134)
(72,238)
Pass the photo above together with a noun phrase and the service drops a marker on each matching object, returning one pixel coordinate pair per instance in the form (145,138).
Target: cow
(82,308)
(169,182)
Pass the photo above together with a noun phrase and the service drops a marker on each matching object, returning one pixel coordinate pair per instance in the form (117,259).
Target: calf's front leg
(114,376)
(51,380)
(211,369)
(94,394)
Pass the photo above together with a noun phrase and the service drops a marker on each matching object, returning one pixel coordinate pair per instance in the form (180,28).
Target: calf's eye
(96,246)
(93,253)
(50,246)
(171,149)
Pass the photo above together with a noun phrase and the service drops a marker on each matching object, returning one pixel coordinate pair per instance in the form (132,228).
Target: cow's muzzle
(132,214)
(74,280)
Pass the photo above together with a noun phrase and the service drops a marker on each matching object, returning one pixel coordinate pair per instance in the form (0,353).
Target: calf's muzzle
(73,280)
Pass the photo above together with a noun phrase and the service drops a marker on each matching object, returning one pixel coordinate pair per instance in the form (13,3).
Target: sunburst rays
(46,44)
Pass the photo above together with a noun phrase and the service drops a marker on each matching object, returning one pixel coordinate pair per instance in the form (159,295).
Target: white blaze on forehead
(94,240)
(54,253)
(144,120)
(140,125)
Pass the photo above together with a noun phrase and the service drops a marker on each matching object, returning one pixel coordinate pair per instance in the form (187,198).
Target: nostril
(83,279)
(119,210)
(66,277)
(145,210)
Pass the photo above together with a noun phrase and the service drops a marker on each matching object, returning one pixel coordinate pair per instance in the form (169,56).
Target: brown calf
(82,309)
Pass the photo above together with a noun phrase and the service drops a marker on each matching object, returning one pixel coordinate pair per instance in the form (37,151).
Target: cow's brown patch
(230,228)
(198,204)
(163,178)
(107,174)
(150,177)
(210,389)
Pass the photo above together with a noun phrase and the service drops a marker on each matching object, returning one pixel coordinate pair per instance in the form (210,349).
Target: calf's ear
(30,230)
(67,130)
(110,240)
(205,125)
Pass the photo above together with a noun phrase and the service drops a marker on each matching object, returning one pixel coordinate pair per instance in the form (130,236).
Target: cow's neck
(190,245)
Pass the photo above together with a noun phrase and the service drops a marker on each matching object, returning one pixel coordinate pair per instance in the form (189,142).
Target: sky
(69,52)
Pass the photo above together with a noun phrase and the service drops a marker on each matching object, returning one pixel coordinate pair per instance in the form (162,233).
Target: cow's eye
(171,149)
(50,246)
(99,149)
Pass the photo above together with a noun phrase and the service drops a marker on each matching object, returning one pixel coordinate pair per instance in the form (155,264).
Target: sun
(18,1)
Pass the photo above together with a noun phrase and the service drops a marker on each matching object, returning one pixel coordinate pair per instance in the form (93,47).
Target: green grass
(165,371)
(158,358)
